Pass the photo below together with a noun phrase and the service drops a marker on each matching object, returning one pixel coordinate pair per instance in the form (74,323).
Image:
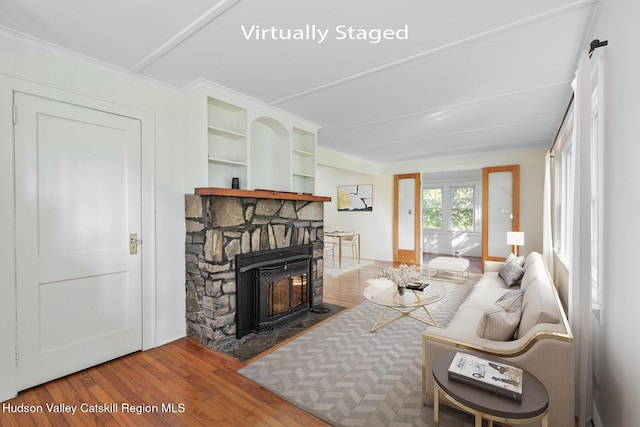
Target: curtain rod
(592,46)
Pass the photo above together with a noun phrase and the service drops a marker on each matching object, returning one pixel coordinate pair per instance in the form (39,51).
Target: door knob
(133,243)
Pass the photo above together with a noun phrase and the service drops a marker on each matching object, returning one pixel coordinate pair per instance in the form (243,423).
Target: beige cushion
(531,258)
(501,322)
(530,274)
(535,269)
(538,305)
(465,321)
(490,279)
(494,266)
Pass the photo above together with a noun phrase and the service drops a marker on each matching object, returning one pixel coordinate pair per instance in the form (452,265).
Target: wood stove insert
(274,288)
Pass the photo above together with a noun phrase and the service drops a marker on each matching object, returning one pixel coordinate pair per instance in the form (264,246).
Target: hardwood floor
(347,289)
(182,383)
(198,386)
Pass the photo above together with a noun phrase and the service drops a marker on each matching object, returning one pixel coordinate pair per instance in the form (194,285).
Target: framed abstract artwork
(357,198)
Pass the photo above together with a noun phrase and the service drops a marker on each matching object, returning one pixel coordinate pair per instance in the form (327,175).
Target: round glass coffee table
(384,292)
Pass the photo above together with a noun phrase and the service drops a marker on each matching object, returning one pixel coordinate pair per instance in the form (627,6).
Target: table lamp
(515,239)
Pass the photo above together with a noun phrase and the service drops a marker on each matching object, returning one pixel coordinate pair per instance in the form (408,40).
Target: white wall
(376,227)
(449,243)
(617,344)
(27,67)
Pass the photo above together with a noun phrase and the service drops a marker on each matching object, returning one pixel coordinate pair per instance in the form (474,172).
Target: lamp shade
(515,238)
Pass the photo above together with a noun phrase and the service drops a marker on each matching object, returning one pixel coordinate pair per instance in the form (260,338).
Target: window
(563,185)
(596,190)
(462,202)
(432,208)
(450,207)
(563,195)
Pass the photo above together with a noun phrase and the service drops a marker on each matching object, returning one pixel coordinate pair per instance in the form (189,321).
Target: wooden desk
(488,405)
(340,235)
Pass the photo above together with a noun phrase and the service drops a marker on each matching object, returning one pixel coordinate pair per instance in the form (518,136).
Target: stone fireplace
(224,226)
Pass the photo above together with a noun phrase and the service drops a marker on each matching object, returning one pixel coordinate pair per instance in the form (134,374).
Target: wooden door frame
(515,206)
(400,255)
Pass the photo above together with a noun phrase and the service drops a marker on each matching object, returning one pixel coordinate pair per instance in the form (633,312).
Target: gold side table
(485,404)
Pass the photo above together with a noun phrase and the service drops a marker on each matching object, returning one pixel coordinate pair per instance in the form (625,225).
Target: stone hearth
(220,227)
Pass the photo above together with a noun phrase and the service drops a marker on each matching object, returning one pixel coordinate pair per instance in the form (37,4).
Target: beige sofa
(543,342)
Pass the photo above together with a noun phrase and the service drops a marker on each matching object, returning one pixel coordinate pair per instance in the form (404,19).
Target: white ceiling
(473,76)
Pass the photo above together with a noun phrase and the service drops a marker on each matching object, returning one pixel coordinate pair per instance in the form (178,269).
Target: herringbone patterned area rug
(349,376)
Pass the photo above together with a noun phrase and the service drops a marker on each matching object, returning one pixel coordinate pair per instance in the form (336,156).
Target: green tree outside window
(462,208)
(432,208)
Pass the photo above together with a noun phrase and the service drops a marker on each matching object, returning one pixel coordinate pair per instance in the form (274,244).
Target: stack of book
(417,286)
(499,378)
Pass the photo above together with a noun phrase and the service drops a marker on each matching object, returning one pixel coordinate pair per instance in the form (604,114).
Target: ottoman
(450,264)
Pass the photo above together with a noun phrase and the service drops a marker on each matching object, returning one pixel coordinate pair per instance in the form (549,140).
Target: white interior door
(78,198)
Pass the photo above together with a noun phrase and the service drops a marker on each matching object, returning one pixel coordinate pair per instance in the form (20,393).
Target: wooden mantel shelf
(260,194)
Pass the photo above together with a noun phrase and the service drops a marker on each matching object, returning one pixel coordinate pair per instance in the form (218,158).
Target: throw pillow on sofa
(519,260)
(501,323)
(511,273)
(512,300)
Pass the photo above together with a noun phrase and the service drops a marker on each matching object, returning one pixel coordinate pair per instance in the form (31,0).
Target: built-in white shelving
(226,117)
(262,147)
(226,142)
(303,161)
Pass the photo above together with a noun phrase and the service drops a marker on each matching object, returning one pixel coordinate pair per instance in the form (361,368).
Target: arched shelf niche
(270,155)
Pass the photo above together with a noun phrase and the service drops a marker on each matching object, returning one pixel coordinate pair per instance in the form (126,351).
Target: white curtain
(547,235)
(580,251)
